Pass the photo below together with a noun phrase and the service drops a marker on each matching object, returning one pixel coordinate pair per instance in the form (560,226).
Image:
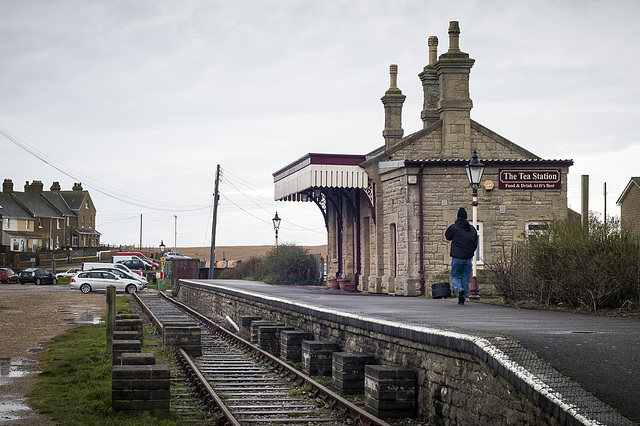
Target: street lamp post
(276,225)
(474,172)
(175,233)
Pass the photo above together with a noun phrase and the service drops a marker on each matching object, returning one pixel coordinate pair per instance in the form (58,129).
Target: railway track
(244,385)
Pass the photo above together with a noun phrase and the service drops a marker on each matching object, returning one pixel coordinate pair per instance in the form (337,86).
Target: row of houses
(36,219)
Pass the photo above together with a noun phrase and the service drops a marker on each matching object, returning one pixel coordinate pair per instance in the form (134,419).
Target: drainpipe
(339,226)
(356,278)
(421,236)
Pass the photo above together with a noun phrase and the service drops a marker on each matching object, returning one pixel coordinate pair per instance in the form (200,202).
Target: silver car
(99,280)
(120,273)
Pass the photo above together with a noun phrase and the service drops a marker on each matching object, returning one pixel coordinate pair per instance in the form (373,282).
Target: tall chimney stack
(455,105)
(7,186)
(392,101)
(430,86)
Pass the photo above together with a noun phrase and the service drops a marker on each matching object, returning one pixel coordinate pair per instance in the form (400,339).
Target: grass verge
(75,383)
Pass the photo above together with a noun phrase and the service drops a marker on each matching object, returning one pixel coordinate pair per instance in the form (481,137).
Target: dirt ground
(239,252)
(30,316)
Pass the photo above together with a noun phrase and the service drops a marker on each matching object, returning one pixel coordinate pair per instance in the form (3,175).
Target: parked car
(94,280)
(37,276)
(7,275)
(136,264)
(121,273)
(140,256)
(87,266)
(69,273)
(174,255)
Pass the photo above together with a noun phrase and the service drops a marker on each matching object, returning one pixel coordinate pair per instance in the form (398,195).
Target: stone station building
(386,211)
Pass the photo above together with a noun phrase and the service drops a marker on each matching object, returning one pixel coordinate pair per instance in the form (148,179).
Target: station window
(536,228)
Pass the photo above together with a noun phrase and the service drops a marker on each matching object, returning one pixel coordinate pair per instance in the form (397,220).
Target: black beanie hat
(462,213)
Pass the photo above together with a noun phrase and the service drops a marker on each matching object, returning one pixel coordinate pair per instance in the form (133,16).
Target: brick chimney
(7,186)
(77,186)
(36,187)
(392,101)
(455,105)
(55,186)
(430,86)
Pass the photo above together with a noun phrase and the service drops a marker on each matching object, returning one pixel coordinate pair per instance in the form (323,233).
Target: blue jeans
(460,274)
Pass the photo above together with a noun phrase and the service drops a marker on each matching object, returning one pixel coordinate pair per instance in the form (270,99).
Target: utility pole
(140,231)
(604,190)
(585,201)
(212,254)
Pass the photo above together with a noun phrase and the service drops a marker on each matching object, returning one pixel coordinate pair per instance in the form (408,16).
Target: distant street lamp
(162,246)
(474,172)
(276,225)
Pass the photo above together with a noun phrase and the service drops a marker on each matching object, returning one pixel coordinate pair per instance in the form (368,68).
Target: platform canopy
(317,171)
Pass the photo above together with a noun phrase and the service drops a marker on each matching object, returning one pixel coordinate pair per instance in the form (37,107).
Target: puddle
(11,368)
(87,319)
(12,410)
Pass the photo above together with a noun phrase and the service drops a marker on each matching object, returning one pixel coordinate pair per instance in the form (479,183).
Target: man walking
(464,241)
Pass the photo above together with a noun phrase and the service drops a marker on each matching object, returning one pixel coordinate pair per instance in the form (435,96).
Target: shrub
(289,264)
(594,268)
(285,264)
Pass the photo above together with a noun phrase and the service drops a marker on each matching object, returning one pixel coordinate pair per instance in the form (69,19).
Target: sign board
(529,178)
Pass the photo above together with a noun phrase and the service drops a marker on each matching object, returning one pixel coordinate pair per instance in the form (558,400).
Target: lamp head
(475,169)
(276,222)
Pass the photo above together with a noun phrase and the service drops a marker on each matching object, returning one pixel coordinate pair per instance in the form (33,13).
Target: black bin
(440,290)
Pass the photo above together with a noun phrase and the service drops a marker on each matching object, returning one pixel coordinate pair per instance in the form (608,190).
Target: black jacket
(464,239)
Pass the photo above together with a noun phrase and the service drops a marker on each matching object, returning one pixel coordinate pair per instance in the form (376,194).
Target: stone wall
(459,381)
(503,215)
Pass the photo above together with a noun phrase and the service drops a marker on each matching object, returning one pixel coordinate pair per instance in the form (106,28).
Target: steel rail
(206,390)
(194,375)
(154,320)
(334,400)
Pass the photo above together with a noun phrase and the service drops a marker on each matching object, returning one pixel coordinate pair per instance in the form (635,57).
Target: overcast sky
(140,100)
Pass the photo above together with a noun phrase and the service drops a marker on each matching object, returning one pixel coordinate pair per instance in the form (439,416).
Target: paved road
(601,354)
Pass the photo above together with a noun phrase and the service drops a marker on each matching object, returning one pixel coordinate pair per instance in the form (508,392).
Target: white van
(87,266)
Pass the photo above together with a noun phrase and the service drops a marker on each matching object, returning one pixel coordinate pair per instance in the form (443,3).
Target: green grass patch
(64,280)
(75,385)
(166,284)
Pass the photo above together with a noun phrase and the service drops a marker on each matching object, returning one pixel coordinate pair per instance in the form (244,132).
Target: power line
(95,186)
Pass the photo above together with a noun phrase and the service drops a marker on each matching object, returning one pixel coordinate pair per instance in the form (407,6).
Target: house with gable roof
(17,226)
(386,211)
(629,203)
(47,218)
(81,226)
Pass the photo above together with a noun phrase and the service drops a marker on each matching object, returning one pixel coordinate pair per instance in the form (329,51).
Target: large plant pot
(333,284)
(350,287)
(342,282)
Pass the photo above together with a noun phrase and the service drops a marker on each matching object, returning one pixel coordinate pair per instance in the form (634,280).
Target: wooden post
(111,316)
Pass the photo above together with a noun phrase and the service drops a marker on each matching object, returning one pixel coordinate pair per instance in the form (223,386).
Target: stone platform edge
(488,349)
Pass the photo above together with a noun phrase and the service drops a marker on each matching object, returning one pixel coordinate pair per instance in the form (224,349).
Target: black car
(38,276)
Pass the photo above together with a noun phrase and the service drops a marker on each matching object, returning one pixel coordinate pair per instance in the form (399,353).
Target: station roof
(319,171)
